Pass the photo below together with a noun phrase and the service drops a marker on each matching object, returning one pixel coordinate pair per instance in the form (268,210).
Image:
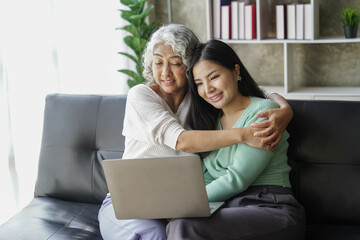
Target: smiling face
(168,70)
(216,84)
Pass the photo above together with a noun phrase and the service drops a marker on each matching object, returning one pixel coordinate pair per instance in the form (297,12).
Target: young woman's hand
(274,126)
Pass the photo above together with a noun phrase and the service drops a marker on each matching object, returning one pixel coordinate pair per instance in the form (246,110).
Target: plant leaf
(136,44)
(125,14)
(132,30)
(140,31)
(143,43)
(131,83)
(137,78)
(350,16)
(127,2)
(136,60)
(148,30)
(128,72)
(143,14)
(138,6)
(139,68)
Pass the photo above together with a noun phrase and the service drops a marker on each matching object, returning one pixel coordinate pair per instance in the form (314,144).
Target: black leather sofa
(82,130)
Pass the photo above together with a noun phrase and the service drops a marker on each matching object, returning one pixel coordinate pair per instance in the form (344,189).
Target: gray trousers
(261,212)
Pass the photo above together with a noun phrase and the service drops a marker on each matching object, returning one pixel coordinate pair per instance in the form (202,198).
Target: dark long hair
(203,116)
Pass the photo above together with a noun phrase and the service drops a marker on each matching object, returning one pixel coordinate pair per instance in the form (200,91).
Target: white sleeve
(148,119)
(267,94)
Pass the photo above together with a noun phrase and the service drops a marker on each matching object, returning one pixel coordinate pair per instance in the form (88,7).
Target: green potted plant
(140,31)
(350,18)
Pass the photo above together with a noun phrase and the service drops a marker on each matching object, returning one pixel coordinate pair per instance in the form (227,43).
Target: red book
(250,21)
(226,22)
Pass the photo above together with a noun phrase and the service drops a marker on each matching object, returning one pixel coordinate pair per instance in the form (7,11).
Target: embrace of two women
(199,98)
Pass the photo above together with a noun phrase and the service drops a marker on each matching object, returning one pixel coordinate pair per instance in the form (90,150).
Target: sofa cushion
(332,232)
(79,132)
(50,218)
(324,154)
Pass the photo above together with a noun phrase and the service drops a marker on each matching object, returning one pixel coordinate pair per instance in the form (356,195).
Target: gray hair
(182,41)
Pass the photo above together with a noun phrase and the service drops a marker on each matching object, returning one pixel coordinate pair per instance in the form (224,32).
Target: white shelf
(290,89)
(335,91)
(330,40)
(277,41)
(325,91)
(340,93)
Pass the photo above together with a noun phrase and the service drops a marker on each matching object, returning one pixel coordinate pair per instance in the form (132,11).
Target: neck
(172,99)
(238,104)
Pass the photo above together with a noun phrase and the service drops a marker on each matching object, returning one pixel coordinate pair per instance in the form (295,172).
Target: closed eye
(197,82)
(214,77)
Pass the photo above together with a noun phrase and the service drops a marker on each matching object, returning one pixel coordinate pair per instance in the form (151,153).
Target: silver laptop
(164,187)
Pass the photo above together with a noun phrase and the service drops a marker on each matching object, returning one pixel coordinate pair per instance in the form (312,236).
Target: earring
(239,78)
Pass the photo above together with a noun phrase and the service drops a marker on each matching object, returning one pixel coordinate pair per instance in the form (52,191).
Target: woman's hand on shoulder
(274,126)
(250,138)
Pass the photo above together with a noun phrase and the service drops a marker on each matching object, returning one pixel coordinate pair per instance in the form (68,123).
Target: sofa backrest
(82,130)
(324,153)
(79,132)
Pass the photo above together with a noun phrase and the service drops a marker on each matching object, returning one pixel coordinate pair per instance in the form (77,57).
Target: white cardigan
(151,129)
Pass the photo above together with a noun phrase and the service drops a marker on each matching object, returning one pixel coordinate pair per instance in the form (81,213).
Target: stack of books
(234,20)
(294,21)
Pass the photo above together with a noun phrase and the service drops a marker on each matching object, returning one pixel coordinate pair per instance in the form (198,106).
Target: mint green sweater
(231,170)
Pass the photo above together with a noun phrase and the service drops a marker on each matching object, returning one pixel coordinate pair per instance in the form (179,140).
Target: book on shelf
(234,20)
(226,22)
(308,22)
(241,20)
(299,21)
(291,21)
(281,21)
(216,16)
(250,21)
(216,21)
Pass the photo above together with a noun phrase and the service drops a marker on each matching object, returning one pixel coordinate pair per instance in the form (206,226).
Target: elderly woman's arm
(202,141)
(146,119)
(265,134)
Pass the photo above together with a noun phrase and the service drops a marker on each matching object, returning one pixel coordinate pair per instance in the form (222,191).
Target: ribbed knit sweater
(151,129)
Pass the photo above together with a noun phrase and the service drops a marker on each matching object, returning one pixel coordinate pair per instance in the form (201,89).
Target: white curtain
(48,46)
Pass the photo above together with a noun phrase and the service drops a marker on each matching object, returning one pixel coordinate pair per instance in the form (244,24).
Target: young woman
(253,182)
(156,123)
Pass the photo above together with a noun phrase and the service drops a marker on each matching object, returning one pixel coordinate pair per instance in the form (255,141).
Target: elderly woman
(156,123)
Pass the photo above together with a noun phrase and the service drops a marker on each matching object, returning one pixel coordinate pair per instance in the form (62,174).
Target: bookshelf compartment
(290,72)
(330,59)
(267,17)
(264,71)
